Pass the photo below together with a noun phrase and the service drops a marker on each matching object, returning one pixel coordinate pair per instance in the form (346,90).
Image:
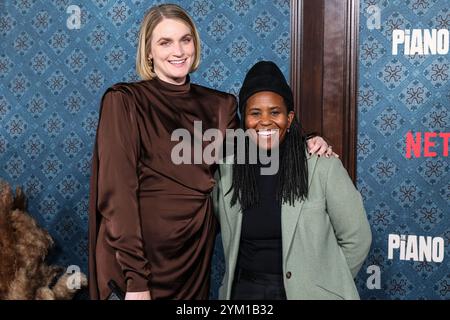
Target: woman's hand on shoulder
(318,145)
(143,295)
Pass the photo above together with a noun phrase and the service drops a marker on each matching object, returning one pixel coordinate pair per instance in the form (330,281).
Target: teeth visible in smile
(177,61)
(266,133)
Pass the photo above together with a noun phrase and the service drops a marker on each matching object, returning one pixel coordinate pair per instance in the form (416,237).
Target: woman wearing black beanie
(301,233)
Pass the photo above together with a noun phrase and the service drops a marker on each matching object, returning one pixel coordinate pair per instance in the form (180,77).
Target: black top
(261,246)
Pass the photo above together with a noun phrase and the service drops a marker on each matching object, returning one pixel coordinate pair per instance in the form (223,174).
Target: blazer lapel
(289,218)
(234,219)
(226,182)
(291,213)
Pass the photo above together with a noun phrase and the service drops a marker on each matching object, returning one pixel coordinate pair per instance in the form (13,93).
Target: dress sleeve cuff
(136,283)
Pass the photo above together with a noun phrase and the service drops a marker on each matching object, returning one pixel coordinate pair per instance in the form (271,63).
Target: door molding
(324,71)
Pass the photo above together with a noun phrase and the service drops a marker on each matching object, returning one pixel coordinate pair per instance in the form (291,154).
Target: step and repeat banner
(57,57)
(403,146)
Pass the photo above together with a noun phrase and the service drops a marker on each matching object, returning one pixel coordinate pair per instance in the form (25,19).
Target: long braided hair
(293,172)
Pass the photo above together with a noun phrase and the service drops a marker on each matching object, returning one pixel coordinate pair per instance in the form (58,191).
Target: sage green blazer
(325,238)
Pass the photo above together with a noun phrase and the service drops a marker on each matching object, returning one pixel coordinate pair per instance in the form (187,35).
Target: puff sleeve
(118,186)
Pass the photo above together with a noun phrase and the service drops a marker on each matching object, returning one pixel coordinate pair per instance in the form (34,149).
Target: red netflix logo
(414,144)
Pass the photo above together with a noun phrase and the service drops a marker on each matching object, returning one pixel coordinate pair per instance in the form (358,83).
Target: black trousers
(249,285)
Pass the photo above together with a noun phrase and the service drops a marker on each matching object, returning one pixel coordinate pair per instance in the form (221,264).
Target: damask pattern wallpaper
(403,197)
(53,75)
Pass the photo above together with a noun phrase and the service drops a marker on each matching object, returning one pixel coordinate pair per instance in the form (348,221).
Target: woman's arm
(348,217)
(118,150)
(144,295)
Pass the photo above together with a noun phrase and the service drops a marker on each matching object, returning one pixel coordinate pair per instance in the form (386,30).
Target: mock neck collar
(174,88)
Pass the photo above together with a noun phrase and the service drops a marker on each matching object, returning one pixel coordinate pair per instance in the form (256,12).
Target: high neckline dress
(151,224)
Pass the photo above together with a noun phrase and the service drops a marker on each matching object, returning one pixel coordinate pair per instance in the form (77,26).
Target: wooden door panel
(324,71)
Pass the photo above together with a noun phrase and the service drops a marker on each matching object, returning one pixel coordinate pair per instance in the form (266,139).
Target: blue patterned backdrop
(52,78)
(397,94)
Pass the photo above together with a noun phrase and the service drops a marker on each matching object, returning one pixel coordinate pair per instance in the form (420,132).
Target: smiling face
(172,50)
(266,113)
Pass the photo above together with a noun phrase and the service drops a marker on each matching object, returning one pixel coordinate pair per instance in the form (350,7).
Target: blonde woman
(151,228)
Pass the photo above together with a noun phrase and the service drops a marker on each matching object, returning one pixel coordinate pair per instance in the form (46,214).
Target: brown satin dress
(151,223)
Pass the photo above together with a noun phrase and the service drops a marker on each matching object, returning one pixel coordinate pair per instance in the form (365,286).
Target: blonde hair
(153,17)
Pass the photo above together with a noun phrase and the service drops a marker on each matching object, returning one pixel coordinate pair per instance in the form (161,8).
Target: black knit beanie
(265,76)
